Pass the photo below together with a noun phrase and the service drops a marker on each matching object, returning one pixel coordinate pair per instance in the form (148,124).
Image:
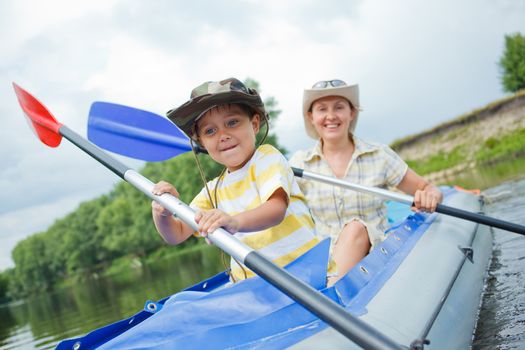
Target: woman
(354,221)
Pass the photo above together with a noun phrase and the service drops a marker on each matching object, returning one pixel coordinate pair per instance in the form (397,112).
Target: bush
(512,63)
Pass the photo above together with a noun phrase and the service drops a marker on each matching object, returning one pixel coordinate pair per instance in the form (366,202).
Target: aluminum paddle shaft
(50,132)
(403,198)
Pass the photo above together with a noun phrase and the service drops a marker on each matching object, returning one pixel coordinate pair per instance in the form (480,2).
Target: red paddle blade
(40,119)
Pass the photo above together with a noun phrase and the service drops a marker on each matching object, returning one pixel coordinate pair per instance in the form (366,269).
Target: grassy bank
(509,147)
(453,127)
(487,176)
(501,152)
(488,139)
(438,162)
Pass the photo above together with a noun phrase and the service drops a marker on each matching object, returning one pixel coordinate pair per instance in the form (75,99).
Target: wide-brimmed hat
(326,88)
(211,94)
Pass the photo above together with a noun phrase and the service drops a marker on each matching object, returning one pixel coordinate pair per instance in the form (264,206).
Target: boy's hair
(211,94)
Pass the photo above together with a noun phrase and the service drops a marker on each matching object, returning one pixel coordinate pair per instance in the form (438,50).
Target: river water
(502,318)
(40,322)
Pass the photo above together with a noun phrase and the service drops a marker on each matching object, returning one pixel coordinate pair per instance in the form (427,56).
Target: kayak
(421,287)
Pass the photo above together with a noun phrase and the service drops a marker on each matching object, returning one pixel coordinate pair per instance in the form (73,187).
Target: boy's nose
(224,136)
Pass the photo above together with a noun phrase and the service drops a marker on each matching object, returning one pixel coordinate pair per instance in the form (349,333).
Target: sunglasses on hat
(326,83)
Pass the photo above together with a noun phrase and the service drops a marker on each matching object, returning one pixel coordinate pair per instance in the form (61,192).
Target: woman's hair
(352,107)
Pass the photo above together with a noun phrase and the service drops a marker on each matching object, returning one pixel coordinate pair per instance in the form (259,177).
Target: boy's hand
(209,221)
(159,189)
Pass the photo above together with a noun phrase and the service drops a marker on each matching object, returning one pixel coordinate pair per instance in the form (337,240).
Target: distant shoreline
(489,137)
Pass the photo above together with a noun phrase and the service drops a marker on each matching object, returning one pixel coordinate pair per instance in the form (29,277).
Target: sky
(417,63)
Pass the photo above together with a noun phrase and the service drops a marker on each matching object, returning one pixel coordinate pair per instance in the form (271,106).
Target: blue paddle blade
(135,133)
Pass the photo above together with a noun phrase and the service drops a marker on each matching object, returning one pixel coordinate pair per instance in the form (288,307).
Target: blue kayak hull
(397,289)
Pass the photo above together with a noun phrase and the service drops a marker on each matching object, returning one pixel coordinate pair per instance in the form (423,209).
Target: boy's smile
(228,135)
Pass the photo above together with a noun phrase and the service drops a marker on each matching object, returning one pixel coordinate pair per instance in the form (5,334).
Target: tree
(270,103)
(4,284)
(512,63)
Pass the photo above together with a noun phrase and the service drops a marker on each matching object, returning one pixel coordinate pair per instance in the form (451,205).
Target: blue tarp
(253,313)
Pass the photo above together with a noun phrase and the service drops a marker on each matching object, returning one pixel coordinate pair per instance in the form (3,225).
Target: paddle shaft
(314,301)
(402,198)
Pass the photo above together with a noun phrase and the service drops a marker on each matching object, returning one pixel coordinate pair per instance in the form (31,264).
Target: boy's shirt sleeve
(201,201)
(272,172)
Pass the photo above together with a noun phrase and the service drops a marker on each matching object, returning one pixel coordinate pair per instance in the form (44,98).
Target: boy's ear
(256,123)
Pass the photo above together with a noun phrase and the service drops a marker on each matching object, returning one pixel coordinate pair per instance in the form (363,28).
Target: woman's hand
(426,195)
(159,189)
(210,220)
(426,200)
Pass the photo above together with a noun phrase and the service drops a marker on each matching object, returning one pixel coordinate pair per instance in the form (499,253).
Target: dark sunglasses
(325,83)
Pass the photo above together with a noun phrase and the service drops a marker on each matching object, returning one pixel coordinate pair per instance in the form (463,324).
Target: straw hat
(329,88)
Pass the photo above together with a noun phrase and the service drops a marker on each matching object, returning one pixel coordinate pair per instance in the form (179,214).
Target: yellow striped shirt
(251,186)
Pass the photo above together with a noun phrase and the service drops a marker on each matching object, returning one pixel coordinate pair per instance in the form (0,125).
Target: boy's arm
(173,231)
(268,214)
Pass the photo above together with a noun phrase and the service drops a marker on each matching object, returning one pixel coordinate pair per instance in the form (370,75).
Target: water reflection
(42,321)
(488,176)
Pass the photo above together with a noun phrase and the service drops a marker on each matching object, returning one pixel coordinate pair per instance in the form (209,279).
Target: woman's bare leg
(352,245)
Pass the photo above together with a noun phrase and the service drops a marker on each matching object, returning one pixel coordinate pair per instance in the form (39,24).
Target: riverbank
(490,139)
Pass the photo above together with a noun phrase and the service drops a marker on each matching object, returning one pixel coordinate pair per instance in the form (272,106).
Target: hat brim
(351,93)
(187,114)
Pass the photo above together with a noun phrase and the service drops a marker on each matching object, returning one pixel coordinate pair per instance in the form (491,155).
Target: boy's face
(331,117)
(228,135)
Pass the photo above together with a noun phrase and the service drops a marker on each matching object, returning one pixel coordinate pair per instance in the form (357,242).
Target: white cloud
(417,63)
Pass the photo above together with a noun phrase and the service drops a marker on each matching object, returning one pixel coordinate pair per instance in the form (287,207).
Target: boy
(257,199)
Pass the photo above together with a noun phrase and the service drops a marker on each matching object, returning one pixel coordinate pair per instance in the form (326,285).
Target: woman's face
(331,117)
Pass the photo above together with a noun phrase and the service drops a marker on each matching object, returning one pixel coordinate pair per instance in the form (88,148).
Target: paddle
(50,132)
(119,129)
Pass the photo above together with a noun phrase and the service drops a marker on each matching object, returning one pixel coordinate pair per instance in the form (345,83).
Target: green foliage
(4,286)
(34,264)
(270,104)
(490,142)
(512,63)
(116,227)
(509,146)
(438,162)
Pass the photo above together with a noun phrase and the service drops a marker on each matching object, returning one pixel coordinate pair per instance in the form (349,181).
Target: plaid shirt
(332,207)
